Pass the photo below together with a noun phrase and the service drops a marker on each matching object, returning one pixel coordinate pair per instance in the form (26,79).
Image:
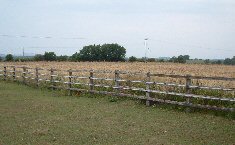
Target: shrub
(38,57)
(132,59)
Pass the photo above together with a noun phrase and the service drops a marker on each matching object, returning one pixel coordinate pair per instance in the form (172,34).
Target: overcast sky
(200,28)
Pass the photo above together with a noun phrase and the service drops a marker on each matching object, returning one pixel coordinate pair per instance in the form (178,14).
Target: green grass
(34,116)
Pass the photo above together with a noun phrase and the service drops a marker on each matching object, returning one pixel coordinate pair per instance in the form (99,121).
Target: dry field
(153,67)
(167,68)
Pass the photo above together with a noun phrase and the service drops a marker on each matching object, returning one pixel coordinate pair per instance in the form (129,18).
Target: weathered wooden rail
(72,81)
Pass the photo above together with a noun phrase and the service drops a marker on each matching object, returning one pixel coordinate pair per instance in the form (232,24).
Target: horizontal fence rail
(114,83)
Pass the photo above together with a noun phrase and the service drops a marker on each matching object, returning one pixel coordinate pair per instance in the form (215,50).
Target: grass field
(34,116)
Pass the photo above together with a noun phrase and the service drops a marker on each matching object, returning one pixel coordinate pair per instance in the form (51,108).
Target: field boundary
(34,76)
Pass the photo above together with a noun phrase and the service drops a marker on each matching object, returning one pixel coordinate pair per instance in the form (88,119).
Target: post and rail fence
(68,80)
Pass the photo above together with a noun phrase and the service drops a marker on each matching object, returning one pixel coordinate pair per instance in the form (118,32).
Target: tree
(62,58)
(207,61)
(50,56)
(0,58)
(38,57)
(233,60)
(75,57)
(186,57)
(180,59)
(91,53)
(112,52)
(132,59)
(151,60)
(173,59)
(218,62)
(106,52)
(9,57)
(229,61)
(161,60)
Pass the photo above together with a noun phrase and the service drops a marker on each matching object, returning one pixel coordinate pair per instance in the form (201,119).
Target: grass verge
(34,116)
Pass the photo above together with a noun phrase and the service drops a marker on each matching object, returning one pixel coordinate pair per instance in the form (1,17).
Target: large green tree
(90,53)
(50,56)
(112,52)
(106,52)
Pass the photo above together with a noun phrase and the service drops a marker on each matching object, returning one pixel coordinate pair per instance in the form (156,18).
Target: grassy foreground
(34,116)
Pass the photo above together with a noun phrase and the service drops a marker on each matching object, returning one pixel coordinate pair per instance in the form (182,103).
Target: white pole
(146,48)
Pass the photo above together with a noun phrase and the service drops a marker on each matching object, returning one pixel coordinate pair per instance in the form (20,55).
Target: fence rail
(69,80)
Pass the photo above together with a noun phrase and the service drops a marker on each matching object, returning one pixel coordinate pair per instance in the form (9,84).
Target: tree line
(111,53)
(105,52)
(184,59)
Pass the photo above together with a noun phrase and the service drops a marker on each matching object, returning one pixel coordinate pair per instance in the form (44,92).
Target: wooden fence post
(5,73)
(117,84)
(91,83)
(187,86)
(70,82)
(37,76)
(14,73)
(52,79)
(24,75)
(148,100)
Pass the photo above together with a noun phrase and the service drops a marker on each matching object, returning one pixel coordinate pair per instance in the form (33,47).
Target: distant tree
(106,52)
(160,60)
(91,53)
(62,58)
(17,59)
(38,57)
(180,59)
(151,60)
(9,57)
(207,61)
(173,59)
(229,61)
(50,56)
(233,60)
(132,59)
(75,57)
(112,52)
(141,59)
(218,62)
(186,57)
(1,58)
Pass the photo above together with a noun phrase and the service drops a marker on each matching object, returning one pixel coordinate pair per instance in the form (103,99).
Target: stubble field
(153,67)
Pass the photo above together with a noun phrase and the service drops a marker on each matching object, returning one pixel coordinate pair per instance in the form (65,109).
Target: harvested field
(153,67)
(166,68)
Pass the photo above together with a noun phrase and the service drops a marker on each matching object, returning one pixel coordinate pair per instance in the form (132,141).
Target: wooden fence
(145,89)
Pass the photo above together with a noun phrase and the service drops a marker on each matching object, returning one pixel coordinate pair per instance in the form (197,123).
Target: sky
(199,28)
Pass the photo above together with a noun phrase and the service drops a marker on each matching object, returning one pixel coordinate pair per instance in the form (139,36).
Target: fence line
(34,75)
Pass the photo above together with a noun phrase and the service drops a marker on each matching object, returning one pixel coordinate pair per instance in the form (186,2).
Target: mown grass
(34,116)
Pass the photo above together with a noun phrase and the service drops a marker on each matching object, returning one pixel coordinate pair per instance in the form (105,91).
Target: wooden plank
(194,77)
